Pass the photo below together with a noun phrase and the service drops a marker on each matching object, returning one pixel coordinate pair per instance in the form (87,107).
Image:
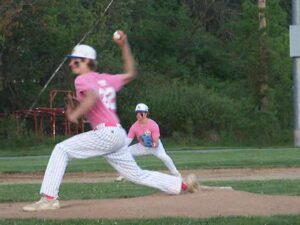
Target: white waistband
(101,125)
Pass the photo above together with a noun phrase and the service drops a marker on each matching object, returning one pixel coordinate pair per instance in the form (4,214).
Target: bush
(194,114)
(259,128)
(189,109)
(15,134)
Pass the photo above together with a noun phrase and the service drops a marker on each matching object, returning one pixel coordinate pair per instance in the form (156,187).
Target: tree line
(211,70)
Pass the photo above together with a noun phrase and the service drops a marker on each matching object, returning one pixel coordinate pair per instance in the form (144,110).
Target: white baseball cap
(141,107)
(83,51)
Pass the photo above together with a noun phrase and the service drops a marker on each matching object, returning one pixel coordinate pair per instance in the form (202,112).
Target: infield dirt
(203,204)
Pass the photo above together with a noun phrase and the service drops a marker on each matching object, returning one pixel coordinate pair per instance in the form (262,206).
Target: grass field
(29,192)
(274,220)
(184,159)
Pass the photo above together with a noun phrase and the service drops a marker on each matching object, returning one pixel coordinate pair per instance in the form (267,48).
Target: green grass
(29,192)
(26,146)
(26,151)
(235,158)
(270,187)
(212,158)
(274,220)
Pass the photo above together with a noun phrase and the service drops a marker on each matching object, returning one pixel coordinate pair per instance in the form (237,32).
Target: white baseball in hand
(117,36)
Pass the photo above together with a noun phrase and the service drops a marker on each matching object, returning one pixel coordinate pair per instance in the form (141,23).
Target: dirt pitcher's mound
(203,204)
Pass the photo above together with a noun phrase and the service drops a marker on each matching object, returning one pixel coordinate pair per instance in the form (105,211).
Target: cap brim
(73,56)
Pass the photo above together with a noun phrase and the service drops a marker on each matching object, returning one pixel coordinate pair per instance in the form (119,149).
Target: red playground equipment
(52,120)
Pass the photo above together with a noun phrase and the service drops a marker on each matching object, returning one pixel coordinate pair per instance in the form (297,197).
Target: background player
(96,93)
(147,133)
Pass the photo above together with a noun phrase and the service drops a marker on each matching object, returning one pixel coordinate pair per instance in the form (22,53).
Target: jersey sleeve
(83,84)
(155,131)
(117,81)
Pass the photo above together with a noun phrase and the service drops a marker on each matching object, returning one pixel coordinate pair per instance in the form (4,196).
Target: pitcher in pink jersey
(146,126)
(96,93)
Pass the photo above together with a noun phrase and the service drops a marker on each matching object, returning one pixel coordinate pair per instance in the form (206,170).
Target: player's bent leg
(125,164)
(163,156)
(138,149)
(52,179)
(169,164)
(55,171)
(135,150)
(85,145)
(81,146)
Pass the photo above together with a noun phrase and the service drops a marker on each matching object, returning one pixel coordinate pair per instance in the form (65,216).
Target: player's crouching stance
(96,93)
(147,133)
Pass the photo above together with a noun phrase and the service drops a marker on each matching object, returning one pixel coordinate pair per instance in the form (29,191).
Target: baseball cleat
(42,204)
(119,178)
(192,183)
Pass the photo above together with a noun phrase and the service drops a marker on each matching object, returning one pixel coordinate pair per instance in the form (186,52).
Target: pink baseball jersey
(106,86)
(137,129)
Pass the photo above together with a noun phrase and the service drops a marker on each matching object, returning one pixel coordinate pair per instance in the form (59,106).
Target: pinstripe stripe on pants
(159,152)
(108,142)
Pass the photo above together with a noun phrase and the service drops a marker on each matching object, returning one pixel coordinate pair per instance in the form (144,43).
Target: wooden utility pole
(263,57)
(295,53)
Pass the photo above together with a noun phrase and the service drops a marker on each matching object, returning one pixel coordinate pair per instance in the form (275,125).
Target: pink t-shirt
(106,86)
(137,130)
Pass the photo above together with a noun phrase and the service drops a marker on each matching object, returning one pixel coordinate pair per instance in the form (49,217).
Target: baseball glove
(147,140)
(71,102)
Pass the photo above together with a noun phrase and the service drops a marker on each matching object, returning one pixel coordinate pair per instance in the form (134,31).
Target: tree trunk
(263,58)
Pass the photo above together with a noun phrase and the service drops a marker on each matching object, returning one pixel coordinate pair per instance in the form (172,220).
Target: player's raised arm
(130,71)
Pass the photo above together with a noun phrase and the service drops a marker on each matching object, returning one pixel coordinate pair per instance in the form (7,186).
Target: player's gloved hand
(147,140)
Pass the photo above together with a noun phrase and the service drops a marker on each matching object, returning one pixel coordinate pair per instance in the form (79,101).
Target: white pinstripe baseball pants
(107,142)
(159,152)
